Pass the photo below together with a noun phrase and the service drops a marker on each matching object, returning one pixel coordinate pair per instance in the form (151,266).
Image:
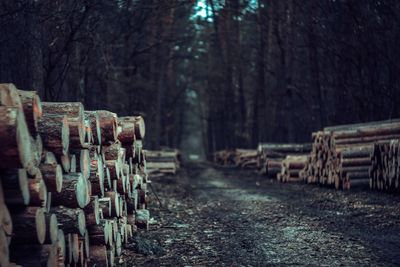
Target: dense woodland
(247,70)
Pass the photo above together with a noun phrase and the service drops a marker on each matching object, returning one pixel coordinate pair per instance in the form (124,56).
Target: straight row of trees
(278,70)
(259,70)
(121,55)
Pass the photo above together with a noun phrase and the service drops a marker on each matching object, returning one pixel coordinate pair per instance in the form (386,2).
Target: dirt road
(225,217)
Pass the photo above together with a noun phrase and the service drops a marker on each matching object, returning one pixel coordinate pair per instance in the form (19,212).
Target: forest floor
(226,217)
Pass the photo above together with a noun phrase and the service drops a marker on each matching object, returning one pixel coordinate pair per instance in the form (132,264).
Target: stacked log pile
(385,170)
(72,182)
(225,157)
(272,157)
(243,158)
(353,155)
(323,163)
(246,158)
(291,168)
(166,161)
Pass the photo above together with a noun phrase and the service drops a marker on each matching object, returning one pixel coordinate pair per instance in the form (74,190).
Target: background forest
(235,72)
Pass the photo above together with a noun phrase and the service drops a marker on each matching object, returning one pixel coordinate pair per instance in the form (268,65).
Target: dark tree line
(259,70)
(278,70)
(121,55)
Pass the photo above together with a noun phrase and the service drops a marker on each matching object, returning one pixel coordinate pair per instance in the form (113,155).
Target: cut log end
(140,130)
(52,228)
(59,178)
(81,222)
(40,221)
(4,250)
(24,185)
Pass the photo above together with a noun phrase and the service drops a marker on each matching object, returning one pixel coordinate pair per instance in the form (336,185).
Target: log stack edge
(73,183)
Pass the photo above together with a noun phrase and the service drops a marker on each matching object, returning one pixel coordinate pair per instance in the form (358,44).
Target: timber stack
(385,169)
(160,162)
(243,158)
(225,157)
(272,158)
(354,155)
(291,168)
(246,158)
(72,182)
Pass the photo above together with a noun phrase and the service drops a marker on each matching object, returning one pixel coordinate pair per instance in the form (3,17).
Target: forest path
(225,217)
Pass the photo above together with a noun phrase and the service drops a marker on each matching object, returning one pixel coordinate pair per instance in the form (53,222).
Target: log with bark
(114,169)
(71,221)
(114,152)
(142,218)
(138,153)
(58,226)
(82,159)
(29,226)
(98,256)
(140,129)
(37,191)
(345,156)
(161,161)
(384,173)
(35,255)
(52,176)
(115,206)
(4,249)
(75,193)
(127,133)
(16,151)
(9,96)
(61,247)
(55,133)
(93,118)
(75,116)
(291,168)
(271,155)
(356,126)
(92,211)
(32,107)
(101,234)
(16,187)
(52,230)
(108,126)
(97,183)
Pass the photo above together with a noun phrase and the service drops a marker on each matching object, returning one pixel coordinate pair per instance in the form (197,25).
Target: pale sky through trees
(201,9)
